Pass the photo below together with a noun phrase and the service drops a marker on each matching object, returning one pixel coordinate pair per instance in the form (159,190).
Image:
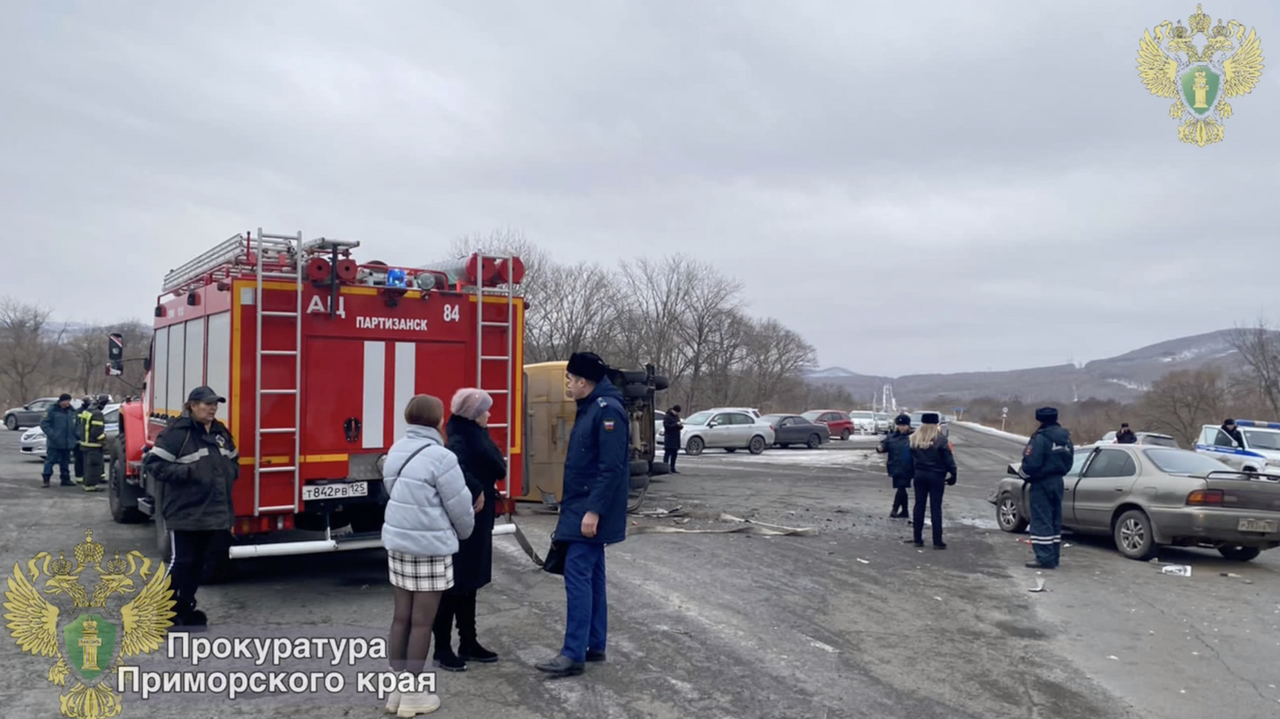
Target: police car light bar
(1257,423)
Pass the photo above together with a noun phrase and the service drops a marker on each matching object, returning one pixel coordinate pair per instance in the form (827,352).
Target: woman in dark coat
(482,466)
(934,466)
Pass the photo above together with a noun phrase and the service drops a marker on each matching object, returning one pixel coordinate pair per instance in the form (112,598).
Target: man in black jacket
(195,463)
(671,426)
(1126,435)
(1046,460)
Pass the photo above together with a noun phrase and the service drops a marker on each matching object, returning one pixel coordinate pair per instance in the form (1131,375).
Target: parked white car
(727,429)
(863,421)
(33,442)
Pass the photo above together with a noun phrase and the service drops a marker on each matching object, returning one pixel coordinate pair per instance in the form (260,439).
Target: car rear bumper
(1213,525)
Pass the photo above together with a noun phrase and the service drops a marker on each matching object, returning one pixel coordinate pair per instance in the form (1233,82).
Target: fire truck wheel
(757,444)
(122,497)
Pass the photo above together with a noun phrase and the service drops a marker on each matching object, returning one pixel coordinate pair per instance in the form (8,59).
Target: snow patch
(802,457)
(1140,387)
(988,430)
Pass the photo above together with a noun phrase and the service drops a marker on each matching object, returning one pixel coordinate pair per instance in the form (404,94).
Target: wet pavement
(846,622)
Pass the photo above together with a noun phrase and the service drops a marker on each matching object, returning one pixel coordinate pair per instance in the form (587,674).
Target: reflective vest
(93,429)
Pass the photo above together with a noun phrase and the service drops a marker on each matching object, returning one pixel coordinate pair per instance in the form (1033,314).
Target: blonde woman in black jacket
(935,467)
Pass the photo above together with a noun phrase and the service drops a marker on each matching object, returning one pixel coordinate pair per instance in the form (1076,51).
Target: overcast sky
(914,186)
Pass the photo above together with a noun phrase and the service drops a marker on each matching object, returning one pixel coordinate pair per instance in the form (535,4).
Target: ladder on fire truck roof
(507,359)
(284,247)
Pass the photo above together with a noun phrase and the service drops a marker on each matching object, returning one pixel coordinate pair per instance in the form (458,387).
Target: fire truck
(317,353)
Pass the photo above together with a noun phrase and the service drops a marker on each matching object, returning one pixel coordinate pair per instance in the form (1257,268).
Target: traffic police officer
(1046,460)
(593,509)
(93,435)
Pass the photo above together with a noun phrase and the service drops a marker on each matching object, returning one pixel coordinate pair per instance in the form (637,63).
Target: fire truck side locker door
(335,377)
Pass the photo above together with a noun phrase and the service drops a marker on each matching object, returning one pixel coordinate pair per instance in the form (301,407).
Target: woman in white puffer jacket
(429,509)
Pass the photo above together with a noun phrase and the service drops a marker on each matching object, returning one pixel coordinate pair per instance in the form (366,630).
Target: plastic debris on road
(1180,570)
(863,561)
(1039,587)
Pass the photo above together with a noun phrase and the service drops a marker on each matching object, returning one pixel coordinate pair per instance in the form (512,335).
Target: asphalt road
(850,622)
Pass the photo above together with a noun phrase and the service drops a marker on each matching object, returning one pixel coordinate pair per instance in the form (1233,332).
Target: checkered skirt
(420,574)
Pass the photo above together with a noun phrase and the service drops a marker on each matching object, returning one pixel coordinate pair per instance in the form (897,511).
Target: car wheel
(11,423)
(1133,535)
(117,487)
(1240,554)
(757,444)
(814,441)
(693,447)
(1008,517)
(845,435)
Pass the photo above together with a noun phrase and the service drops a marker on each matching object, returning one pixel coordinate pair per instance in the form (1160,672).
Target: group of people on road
(440,479)
(920,458)
(924,459)
(75,436)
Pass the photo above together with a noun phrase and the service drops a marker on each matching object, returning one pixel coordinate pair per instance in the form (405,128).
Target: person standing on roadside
(934,466)
(77,455)
(671,426)
(593,510)
(428,511)
(1045,461)
(482,466)
(1126,435)
(59,427)
(898,446)
(92,439)
(195,462)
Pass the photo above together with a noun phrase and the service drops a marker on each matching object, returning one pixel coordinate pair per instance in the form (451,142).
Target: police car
(1261,448)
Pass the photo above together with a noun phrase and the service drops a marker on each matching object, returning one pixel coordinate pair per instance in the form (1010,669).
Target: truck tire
(122,497)
(694,446)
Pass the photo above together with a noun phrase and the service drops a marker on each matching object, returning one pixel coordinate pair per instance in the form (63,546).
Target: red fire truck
(317,354)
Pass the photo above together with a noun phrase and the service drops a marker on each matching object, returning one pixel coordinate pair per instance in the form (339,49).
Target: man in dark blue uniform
(593,509)
(1046,460)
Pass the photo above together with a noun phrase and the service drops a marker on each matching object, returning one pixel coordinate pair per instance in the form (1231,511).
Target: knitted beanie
(470,402)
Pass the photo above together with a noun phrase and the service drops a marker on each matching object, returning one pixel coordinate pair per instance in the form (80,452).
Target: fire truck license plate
(337,490)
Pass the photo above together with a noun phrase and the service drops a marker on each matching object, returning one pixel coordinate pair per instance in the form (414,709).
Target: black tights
(411,629)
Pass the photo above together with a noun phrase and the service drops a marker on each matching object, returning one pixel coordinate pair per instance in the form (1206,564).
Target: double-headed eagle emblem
(93,644)
(1200,75)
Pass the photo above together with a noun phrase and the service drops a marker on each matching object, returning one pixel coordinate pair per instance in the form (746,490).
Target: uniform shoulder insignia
(1027,452)
(608,425)
(602,402)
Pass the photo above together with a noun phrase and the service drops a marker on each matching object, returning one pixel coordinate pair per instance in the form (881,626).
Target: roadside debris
(1230,574)
(1114,657)
(1180,570)
(1039,587)
(748,526)
(863,561)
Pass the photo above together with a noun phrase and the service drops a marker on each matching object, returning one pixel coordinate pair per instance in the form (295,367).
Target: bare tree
(1259,347)
(711,299)
(575,313)
(657,297)
(27,347)
(1181,402)
(776,353)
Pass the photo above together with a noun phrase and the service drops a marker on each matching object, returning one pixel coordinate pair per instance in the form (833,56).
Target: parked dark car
(789,429)
(28,416)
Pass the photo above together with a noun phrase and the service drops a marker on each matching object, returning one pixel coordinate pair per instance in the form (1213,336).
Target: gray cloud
(914,186)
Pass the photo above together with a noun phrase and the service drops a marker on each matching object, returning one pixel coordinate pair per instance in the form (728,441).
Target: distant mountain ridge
(1124,377)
